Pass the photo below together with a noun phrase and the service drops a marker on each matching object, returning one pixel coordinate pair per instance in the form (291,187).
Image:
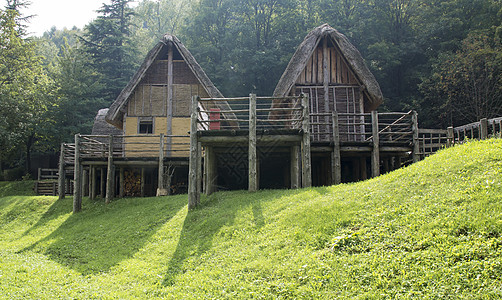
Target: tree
(78,94)
(107,41)
(24,90)
(469,81)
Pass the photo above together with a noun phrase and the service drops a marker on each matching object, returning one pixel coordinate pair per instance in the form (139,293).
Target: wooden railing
(432,140)
(478,130)
(234,113)
(98,146)
(391,127)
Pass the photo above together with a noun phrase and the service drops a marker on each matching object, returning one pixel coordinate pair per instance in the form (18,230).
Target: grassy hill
(431,230)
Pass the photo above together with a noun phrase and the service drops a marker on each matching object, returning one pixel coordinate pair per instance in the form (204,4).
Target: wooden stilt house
(332,72)
(320,127)
(147,152)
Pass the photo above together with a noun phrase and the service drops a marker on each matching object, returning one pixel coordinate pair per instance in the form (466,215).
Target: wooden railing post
(193,198)
(375,153)
(416,144)
(252,159)
(161,165)
(110,174)
(336,166)
(306,155)
(77,181)
(483,132)
(451,137)
(61,174)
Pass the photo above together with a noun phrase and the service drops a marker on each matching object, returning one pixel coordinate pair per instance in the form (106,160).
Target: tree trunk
(29,144)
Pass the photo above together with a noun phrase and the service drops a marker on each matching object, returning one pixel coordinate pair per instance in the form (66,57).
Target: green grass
(431,230)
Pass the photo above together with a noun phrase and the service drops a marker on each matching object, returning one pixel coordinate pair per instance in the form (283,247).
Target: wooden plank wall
(344,93)
(339,72)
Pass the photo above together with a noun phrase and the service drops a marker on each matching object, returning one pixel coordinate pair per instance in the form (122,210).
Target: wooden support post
(121,183)
(61,175)
(110,174)
(142,190)
(356,169)
(192,169)
(161,167)
(364,172)
(252,159)
(375,153)
(483,131)
(306,155)
(416,144)
(77,181)
(39,175)
(211,176)
(93,183)
(295,167)
(336,165)
(398,162)
(102,184)
(199,168)
(85,182)
(451,137)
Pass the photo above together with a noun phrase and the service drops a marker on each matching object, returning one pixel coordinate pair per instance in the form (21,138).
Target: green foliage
(428,231)
(469,81)
(107,41)
(25,94)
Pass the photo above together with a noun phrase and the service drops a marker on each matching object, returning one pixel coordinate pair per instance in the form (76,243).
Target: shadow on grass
(57,209)
(203,224)
(101,236)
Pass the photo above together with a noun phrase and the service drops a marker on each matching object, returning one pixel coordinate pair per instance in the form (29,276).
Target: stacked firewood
(132,183)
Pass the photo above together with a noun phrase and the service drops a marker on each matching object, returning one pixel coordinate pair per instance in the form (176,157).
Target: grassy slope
(432,230)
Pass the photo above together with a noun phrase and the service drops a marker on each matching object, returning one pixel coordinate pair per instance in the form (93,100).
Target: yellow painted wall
(180,126)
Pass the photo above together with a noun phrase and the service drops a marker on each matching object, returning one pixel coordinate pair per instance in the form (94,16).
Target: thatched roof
(117,109)
(101,127)
(299,61)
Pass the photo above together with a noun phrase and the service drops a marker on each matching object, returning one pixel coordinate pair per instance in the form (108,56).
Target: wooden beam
(375,152)
(252,159)
(61,175)
(192,169)
(336,165)
(110,174)
(77,187)
(306,158)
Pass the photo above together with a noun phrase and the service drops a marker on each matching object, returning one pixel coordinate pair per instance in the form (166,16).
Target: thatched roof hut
(101,127)
(326,48)
(190,70)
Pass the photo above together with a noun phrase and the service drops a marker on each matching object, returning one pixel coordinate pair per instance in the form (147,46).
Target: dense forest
(442,58)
